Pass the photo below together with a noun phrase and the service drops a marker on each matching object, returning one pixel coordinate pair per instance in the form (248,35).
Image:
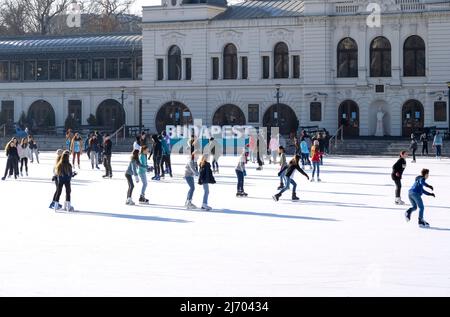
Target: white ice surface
(345,237)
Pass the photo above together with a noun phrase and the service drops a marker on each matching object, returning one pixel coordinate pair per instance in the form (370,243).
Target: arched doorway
(229,115)
(41,115)
(412,117)
(281,116)
(111,114)
(349,117)
(173,113)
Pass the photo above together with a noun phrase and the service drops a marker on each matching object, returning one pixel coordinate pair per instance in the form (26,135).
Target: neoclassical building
(286,63)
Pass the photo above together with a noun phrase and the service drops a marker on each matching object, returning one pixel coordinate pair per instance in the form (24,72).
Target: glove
(431,187)
(136,178)
(432,194)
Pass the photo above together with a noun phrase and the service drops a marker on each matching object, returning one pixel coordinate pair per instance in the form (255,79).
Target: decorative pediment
(229,36)
(281,34)
(172,38)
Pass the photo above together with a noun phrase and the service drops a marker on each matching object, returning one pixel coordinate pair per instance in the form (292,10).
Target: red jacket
(315,154)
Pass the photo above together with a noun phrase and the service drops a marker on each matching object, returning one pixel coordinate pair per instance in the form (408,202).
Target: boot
(130,201)
(143,200)
(206,207)
(399,201)
(423,223)
(190,205)
(294,197)
(68,206)
(276,197)
(408,216)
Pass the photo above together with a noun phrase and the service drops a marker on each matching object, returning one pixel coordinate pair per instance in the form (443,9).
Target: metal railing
(334,139)
(116,134)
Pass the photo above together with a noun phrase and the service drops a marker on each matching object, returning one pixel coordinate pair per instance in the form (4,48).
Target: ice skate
(423,224)
(244,194)
(206,207)
(294,197)
(239,194)
(276,197)
(130,202)
(407,216)
(3,178)
(319,180)
(21,174)
(143,200)
(68,206)
(190,205)
(312,180)
(399,201)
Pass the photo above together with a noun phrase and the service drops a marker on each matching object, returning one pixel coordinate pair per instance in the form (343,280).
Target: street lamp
(278,86)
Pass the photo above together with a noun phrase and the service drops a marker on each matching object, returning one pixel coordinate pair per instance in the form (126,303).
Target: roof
(257,9)
(72,43)
(221,3)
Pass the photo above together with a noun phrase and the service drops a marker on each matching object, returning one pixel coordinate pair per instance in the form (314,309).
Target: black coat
(206,175)
(398,168)
(107,148)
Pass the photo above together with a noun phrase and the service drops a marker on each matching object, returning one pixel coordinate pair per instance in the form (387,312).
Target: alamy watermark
(374,18)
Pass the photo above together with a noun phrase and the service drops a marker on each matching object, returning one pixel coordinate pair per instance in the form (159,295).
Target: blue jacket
(304,147)
(132,169)
(418,185)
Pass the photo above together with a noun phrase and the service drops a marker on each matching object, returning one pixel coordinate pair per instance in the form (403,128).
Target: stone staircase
(383,147)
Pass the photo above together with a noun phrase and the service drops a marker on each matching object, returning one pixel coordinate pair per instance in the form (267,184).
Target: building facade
(286,63)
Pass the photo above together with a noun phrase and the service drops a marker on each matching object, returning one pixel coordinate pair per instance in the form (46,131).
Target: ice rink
(344,238)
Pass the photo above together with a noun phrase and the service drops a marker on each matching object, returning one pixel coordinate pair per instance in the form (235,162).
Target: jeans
(59,190)
(414,154)
(190,181)
(206,193)
(316,166)
(166,160)
(36,153)
(416,201)
(438,150)
(143,177)
(157,164)
(283,178)
(305,159)
(424,148)
(286,185)
(94,159)
(130,185)
(240,182)
(107,164)
(215,164)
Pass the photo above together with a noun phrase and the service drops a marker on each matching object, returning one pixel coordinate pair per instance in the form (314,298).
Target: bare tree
(109,14)
(13,17)
(41,12)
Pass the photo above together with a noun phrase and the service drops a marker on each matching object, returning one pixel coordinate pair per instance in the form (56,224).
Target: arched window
(281,116)
(173,113)
(229,115)
(281,60)
(414,56)
(110,113)
(174,61)
(347,58)
(380,57)
(41,115)
(230,62)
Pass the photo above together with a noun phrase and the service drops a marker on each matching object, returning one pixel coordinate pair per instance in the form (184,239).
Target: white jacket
(24,152)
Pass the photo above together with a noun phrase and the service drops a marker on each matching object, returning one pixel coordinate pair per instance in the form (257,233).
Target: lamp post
(448,106)
(278,86)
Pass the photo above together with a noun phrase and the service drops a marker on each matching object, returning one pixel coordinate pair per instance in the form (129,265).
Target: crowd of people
(20,153)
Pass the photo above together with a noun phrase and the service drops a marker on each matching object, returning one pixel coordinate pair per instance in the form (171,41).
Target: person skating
(132,171)
(165,158)
(413,147)
(283,164)
(157,154)
(396,175)
(53,204)
(290,169)
(212,148)
(415,197)
(137,143)
(304,149)
(34,148)
(107,153)
(205,178)
(273,147)
(424,140)
(315,159)
(437,143)
(64,173)
(143,169)
(190,171)
(12,159)
(94,148)
(240,174)
(24,154)
(68,140)
(76,149)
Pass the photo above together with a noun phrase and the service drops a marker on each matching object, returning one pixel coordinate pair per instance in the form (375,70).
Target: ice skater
(290,169)
(12,163)
(315,158)
(205,178)
(283,164)
(107,153)
(59,153)
(34,148)
(437,143)
(413,147)
(64,173)
(424,140)
(190,171)
(415,197)
(76,149)
(24,154)
(240,174)
(304,151)
(396,175)
(143,169)
(132,171)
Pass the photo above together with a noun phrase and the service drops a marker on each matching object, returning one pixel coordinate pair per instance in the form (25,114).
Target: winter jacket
(12,153)
(283,162)
(304,147)
(241,164)
(398,168)
(165,148)
(190,169)
(143,164)
(290,169)
(206,175)
(413,145)
(418,185)
(107,147)
(24,152)
(132,169)
(32,144)
(437,140)
(157,149)
(93,145)
(212,147)
(65,177)
(315,153)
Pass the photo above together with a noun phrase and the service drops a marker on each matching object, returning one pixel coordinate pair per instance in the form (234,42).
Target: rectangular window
(42,70)
(187,69)
(4,71)
(7,111)
(55,70)
(160,66)
(138,71)
(83,69)
(98,69)
(244,65)
(74,107)
(30,70)
(16,71)
(296,66)
(265,67)
(315,111)
(215,68)
(125,68)
(253,113)
(112,68)
(440,111)
(71,69)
